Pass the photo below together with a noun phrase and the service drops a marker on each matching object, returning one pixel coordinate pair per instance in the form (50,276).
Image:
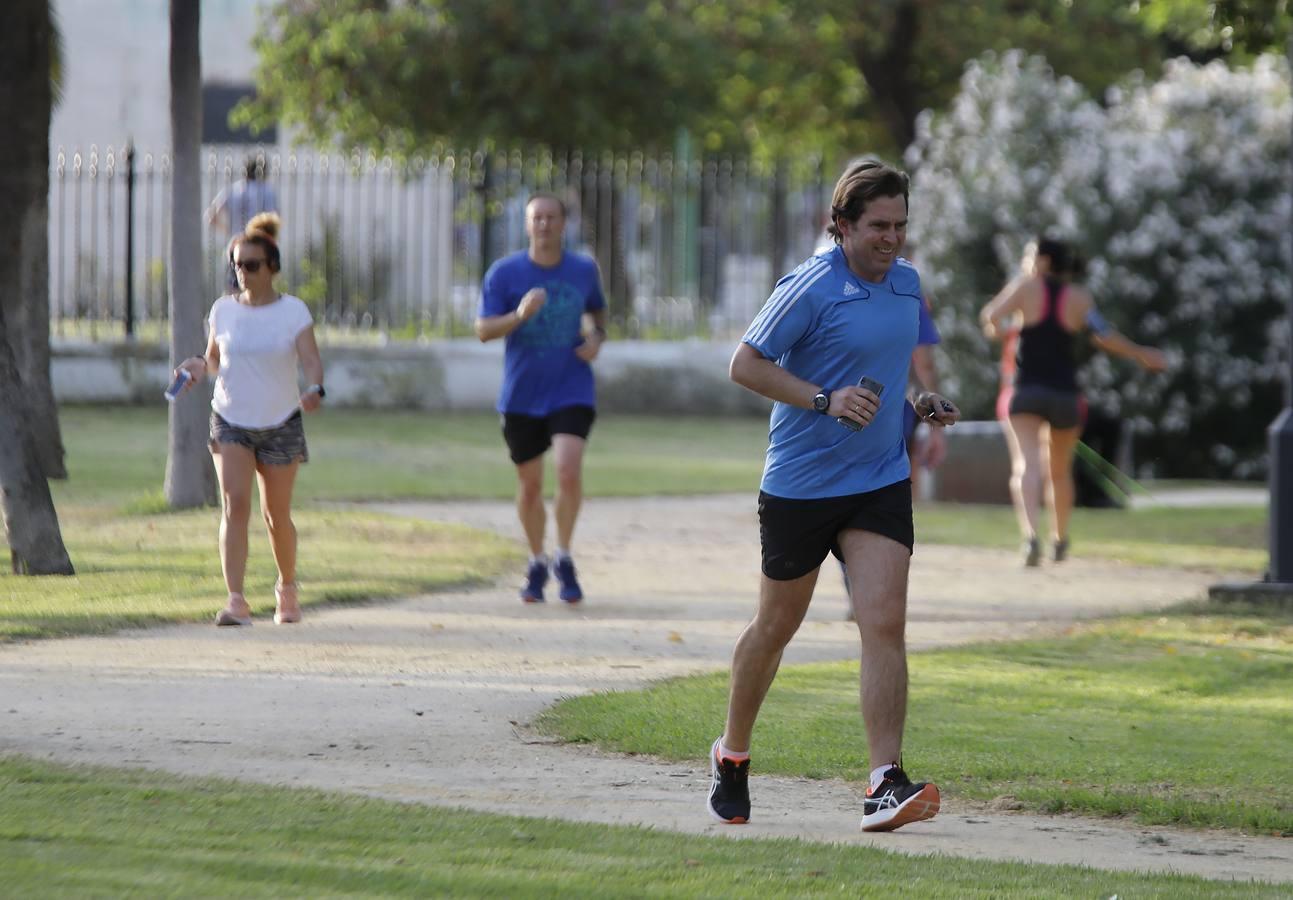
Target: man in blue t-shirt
(836,479)
(549,305)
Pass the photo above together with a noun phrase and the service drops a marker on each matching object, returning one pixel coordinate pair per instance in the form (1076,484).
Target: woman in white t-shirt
(256,339)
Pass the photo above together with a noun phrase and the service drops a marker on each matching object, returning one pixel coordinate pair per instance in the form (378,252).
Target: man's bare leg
(782,606)
(568,453)
(529,502)
(877,568)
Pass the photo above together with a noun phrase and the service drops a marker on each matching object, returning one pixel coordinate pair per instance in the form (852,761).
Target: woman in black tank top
(1044,356)
(1041,406)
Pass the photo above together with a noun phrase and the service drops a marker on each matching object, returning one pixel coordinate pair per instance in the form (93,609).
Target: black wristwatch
(822,401)
(317,389)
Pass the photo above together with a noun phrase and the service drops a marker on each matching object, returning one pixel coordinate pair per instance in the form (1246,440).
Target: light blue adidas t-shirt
(828,326)
(541,373)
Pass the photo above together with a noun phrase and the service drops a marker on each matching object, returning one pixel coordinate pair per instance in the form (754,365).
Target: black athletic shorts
(796,535)
(1061,409)
(278,445)
(531,436)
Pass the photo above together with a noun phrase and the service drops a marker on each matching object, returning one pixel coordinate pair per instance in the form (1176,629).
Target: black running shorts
(796,535)
(528,437)
(1060,409)
(278,445)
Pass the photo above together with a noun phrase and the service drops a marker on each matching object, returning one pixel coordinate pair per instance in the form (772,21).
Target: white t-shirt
(257,384)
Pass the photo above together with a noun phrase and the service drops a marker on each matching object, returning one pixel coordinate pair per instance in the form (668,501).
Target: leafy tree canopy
(778,78)
(405,76)
(1205,29)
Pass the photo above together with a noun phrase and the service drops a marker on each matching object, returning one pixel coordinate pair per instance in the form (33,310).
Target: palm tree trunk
(190,480)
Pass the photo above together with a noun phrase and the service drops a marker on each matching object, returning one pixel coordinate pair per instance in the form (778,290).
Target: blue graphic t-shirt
(541,372)
(829,327)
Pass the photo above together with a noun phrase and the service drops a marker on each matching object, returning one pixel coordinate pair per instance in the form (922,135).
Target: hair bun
(265,224)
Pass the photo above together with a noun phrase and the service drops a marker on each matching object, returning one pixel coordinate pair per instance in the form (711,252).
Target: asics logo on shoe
(896,801)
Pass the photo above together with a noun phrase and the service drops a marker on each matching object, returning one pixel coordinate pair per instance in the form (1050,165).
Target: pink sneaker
(288,608)
(235,612)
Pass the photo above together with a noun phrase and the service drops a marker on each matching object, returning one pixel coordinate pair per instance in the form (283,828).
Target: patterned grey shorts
(280,445)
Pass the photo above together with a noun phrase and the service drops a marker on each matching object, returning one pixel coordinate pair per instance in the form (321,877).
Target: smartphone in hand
(867,384)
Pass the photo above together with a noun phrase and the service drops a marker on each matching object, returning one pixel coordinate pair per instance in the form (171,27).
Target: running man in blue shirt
(849,313)
(549,305)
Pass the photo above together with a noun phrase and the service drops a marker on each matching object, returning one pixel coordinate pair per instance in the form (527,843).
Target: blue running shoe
(535,578)
(564,569)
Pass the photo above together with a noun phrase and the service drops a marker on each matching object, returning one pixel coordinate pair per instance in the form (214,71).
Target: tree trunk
(30,522)
(190,479)
(28,320)
(31,348)
(891,73)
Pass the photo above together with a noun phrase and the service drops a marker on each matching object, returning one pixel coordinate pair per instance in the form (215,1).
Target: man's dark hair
(545,195)
(861,183)
(254,167)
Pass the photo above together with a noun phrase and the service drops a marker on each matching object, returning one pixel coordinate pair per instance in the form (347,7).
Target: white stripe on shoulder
(784,298)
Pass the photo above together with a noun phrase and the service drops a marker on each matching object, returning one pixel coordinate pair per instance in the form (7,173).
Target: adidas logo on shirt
(850,289)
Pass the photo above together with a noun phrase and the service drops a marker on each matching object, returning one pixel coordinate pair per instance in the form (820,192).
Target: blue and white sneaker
(536,576)
(564,569)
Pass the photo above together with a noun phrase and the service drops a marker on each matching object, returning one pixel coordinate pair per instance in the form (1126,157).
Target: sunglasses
(249,265)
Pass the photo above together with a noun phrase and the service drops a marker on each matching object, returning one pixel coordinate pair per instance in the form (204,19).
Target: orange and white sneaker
(896,802)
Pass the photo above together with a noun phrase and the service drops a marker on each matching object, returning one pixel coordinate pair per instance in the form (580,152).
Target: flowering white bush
(1178,193)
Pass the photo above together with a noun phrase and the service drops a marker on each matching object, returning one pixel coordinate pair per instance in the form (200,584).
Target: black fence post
(487,217)
(780,234)
(130,240)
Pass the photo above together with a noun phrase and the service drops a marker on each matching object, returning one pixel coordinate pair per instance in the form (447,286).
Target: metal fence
(397,248)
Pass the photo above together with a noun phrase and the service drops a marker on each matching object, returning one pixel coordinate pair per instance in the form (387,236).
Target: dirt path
(427,699)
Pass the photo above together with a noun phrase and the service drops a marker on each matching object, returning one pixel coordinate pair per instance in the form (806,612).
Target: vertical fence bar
(130,242)
(150,174)
(164,244)
(61,242)
(400,244)
(110,234)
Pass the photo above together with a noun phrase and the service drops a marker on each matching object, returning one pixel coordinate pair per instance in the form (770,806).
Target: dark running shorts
(279,445)
(531,436)
(796,535)
(1062,409)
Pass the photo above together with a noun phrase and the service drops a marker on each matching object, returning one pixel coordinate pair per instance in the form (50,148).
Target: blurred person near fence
(548,304)
(237,204)
(257,338)
(1039,315)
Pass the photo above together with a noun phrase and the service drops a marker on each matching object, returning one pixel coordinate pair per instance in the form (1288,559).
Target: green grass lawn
(137,563)
(1181,719)
(141,570)
(1212,539)
(87,832)
(1161,718)
(118,454)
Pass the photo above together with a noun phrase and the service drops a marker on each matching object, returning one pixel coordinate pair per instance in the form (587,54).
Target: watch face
(821,402)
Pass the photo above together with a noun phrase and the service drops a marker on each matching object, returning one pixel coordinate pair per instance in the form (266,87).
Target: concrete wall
(977,467)
(632,376)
